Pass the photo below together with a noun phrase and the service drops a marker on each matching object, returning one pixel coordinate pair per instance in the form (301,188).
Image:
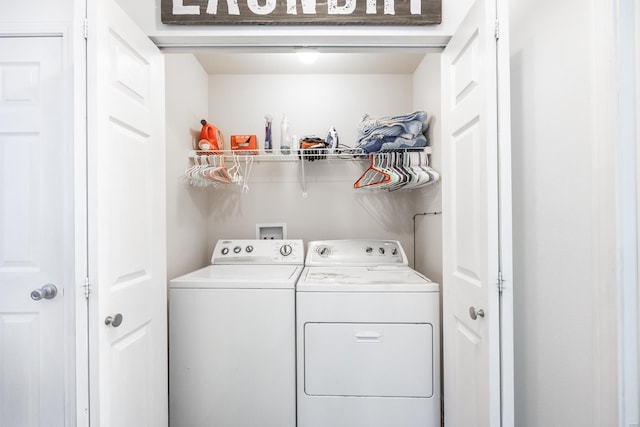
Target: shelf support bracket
(303,178)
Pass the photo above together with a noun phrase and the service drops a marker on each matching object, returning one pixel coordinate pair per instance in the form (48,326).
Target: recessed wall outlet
(277,231)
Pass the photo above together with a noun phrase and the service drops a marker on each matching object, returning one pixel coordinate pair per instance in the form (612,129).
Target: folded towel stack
(392,133)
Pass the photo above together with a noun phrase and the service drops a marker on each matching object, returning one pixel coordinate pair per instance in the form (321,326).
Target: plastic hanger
(373,176)
(403,176)
(217,170)
(235,171)
(428,174)
(418,175)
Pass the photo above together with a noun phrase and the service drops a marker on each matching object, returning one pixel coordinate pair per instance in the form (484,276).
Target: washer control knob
(394,251)
(225,251)
(369,249)
(237,250)
(285,250)
(381,250)
(249,249)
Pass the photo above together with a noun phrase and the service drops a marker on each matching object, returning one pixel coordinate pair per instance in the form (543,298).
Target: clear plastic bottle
(285,147)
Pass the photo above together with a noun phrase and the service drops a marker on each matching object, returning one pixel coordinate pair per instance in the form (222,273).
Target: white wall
(564,273)
(332,209)
(238,103)
(36,11)
(187,102)
(626,125)
(426,96)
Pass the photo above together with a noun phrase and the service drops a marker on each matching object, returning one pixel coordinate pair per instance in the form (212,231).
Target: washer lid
(240,277)
(364,279)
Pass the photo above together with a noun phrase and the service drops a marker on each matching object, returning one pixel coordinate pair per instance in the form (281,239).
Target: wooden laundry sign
(285,12)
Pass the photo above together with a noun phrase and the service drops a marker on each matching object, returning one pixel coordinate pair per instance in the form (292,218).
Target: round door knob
(114,321)
(48,291)
(474,314)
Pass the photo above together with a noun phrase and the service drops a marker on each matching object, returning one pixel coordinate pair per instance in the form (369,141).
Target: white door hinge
(500,282)
(85,29)
(497,30)
(87,288)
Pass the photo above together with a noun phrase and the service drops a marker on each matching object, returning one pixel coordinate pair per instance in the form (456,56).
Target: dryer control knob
(249,249)
(225,251)
(285,250)
(237,250)
(381,250)
(369,249)
(324,251)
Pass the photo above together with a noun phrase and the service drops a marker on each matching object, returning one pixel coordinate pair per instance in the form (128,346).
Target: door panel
(126,222)
(470,224)
(130,355)
(34,202)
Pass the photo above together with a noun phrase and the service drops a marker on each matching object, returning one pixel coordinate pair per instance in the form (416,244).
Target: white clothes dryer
(368,338)
(232,337)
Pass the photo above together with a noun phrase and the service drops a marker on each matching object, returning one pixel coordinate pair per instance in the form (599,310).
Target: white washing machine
(368,341)
(232,337)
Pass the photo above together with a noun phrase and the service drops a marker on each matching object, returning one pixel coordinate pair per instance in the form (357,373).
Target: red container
(246,143)
(210,137)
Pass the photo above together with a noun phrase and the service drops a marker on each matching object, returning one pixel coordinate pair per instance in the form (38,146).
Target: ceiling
(385,62)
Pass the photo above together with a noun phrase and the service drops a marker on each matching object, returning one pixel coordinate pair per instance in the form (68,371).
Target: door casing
(75,306)
(81,193)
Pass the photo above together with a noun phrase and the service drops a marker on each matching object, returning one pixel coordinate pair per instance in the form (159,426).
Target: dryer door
(368,359)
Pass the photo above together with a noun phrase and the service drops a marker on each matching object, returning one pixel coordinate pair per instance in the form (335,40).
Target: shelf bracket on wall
(303,179)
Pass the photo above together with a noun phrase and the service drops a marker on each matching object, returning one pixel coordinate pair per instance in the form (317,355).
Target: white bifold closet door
(473,209)
(127,244)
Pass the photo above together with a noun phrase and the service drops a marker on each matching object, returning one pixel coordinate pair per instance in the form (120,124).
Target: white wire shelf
(302,156)
(296,155)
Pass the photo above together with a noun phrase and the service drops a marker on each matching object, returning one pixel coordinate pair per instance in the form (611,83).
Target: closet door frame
(75,312)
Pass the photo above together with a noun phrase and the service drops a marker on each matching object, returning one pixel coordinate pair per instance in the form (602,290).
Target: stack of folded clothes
(392,133)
